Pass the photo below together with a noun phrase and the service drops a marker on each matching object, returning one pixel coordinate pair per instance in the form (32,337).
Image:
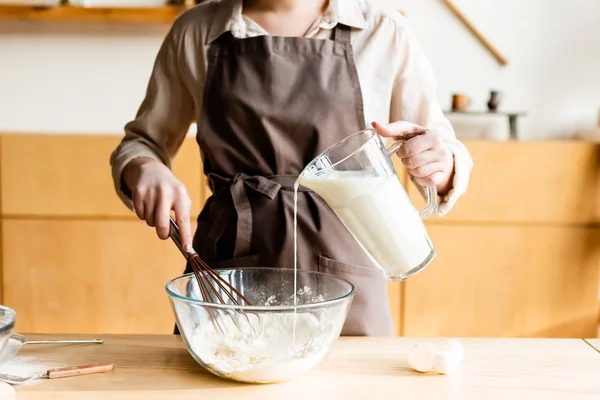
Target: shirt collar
(228,15)
(347,12)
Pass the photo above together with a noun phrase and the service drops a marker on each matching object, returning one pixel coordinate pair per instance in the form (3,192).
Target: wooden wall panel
(506,281)
(69,175)
(550,182)
(87,276)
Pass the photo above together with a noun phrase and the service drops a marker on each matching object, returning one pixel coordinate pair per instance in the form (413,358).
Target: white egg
(446,362)
(421,357)
(454,346)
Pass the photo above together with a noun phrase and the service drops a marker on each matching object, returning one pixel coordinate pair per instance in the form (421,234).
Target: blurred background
(518,256)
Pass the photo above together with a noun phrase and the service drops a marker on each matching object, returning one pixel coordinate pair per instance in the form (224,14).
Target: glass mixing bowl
(7,324)
(273,340)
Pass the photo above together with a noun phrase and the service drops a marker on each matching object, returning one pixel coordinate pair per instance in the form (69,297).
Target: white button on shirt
(396,80)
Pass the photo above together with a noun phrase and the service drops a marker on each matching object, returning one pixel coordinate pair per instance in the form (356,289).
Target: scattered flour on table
(271,355)
(24,367)
(9,349)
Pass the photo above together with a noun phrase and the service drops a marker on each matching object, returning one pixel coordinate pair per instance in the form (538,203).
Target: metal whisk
(209,282)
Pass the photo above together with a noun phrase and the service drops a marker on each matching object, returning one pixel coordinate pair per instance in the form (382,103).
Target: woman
(271,84)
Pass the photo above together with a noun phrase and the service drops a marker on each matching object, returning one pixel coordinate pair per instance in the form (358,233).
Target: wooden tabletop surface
(594,343)
(159,367)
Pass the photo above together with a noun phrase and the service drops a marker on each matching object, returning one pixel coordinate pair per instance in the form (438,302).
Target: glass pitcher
(356,178)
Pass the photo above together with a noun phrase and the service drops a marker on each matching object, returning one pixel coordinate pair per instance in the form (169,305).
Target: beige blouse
(396,80)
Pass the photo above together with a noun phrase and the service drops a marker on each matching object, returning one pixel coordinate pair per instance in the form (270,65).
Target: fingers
(144,201)
(150,202)
(162,212)
(155,205)
(182,207)
(157,192)
(420,144)
(396,129)
(432,180)
(138,204)
(431,174)
(421,158)
(416,163)
(423,152)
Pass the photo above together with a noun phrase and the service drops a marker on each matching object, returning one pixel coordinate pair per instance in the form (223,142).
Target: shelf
(66,13)
(160,15)
(512,118)
(517,113)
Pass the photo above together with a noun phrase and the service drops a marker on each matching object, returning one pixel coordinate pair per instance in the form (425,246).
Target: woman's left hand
(425,156)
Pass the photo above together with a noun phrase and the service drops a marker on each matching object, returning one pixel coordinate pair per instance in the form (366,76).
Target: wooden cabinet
(517,256)
(69,176)
(529,182)
(525,281)
(74,258)
(88,276)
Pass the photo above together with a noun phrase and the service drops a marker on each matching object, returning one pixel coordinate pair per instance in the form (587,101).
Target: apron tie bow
(239,193)
(239,186)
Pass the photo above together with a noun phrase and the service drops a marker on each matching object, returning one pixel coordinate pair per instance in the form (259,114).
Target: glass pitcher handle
(431,196)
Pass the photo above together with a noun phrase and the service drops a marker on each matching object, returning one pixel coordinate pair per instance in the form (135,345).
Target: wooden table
(159,367)
(595,343)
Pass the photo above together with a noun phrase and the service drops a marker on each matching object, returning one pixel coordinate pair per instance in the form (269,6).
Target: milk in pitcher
(378,213)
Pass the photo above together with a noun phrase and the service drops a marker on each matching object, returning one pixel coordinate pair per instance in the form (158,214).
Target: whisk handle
(176,237)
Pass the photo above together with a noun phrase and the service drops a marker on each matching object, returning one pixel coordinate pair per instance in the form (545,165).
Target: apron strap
(341,33)
(239,186)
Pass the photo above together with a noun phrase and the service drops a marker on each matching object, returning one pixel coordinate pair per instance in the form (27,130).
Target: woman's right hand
(155,193)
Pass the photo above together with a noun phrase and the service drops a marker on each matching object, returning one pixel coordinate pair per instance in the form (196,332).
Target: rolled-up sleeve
(163,119)
(414,100)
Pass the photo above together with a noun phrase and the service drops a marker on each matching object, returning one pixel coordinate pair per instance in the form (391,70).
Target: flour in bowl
(264,349)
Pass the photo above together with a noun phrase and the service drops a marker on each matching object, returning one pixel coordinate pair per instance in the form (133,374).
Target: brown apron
(271,104)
